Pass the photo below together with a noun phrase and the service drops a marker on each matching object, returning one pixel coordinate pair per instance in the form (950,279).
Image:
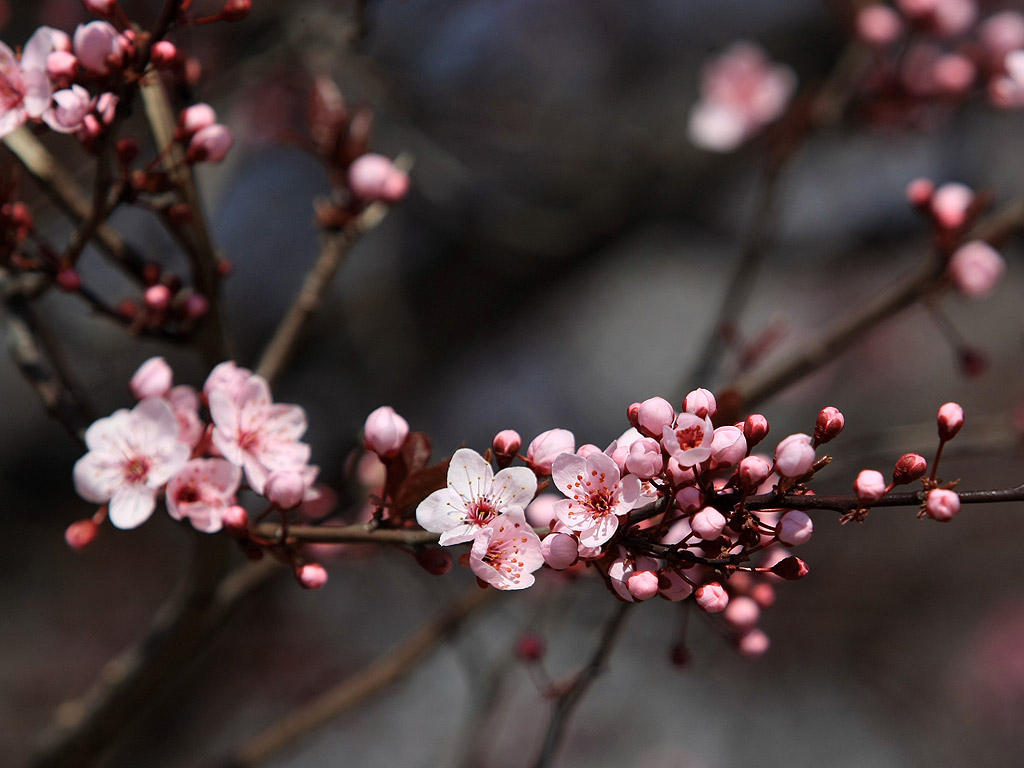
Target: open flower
(202,491)
(131,455)
(507,552)
(474,497)
(596,495)
(689,440)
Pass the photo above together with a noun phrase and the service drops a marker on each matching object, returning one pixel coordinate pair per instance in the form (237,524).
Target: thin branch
(567,699)
(356,689)
(336,247)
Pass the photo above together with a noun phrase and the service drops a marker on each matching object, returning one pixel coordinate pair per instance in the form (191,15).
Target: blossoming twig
(363,684)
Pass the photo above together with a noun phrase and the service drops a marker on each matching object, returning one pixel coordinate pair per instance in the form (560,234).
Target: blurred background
(562,254)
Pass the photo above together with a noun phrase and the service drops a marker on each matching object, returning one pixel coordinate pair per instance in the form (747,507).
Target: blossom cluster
(164,449)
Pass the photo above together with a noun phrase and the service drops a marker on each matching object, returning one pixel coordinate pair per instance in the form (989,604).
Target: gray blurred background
(560,256)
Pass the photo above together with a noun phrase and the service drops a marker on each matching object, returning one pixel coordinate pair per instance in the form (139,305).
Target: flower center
(481,511)
(690,437)
(136,469)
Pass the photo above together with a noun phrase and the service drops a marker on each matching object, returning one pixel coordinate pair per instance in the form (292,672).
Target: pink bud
(589,449)
(678,474)
(869,486)
(829,424)
(753,471)
(708,523)
(506,445)
(1002,33)
(795,528)
(210,145)
(975,269)
(653,415)
(61,66)
(790,568)
(950,204)
(311,575)
(375,177)
(689,499)
(878,25)
(559,550)
(742,613)
(81,533)
(909,467)
(954,73)
(106,107)
(755,429)
(763,594)
(158,297)
(942,505)
(794,456)
(642,585)
(541,511)
(285,488)
(196,306)
(547,446)
(711,597)
(236,10)
(644,459)
(153,378)
(700,403)
(919,193)
(530,647)
(434,561)
(104,8)
(385,432)
(728,447)
(633,415)
(950,420)
(755,642)
(164,54)
(236,521)
(194,119)
(99,47)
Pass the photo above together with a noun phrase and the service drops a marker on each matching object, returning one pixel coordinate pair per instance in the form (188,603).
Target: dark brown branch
(567,699)
(363,684)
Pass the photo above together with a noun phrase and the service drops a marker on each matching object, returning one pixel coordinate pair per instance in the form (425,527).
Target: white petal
(469,475)
(132,505)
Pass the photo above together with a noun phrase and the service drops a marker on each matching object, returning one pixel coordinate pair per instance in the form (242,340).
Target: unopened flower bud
(642,585)
(633,415)
(795,528)
(755,428)
(878,25)
(158,297)
(728,447)
(164,54)
(194,119)
(81,533)
(644,458)
(711,597)
(708,523)
(763,594)
(653,415)
(236,10)
(700,403)
(284,488)
(742,613)
(196,306)
(61,66)
(753,471)
(385,432)
(950,205)
(153,378)
(689,499)
(102,8)
(375,177)
(869,486)
(530,647)
(99,47)
(547,446)
(975,269)
(919,193)
(236,521)
(794,456)
(755,642)
(68,280)
(434,560)
(209,145)
(829,424)
(506,445)
(950,419)
(909,467)
(942,505)
(311,575)
(790,568)
(559,550)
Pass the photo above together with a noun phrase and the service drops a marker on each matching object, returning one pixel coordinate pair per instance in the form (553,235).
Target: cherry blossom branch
(751,388)
(568,698)
(360,686)
(337,245)
(359,533)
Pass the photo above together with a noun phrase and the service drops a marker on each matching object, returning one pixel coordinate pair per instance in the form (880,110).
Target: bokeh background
(561,255)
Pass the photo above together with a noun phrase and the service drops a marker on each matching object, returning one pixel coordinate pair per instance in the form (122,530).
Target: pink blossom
(311,575)
(829,424)
(642,585)
(98,47)
(711,597)
(560,550)
(103,8)
(753,470)
(285,488)
(202,491)
(152,379)
(506,445)
(185,402)
(375,177)
(1007,92)
(742,613)
(385,432)
(950,419)
(620,447)
(755,429)
(548,445)
(975,269)
(132,454)
(909,467)
(541,511)
(728,447)
(506,552)
(194,118)
(753,644)
(869,486)
(62,66)
(473,497)
(253,432)
(645,459)
(157,297)
(794,456)
(210,144)
(596,496)
(653,415)
(942,505)
(700,402)
(227,377)
(878,25)
(741,91)
(24,91)
(795,528)
(950,204)
(1001,33)
(624,567)
(708,523)
(689,440)
(69,109)
(689,499)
